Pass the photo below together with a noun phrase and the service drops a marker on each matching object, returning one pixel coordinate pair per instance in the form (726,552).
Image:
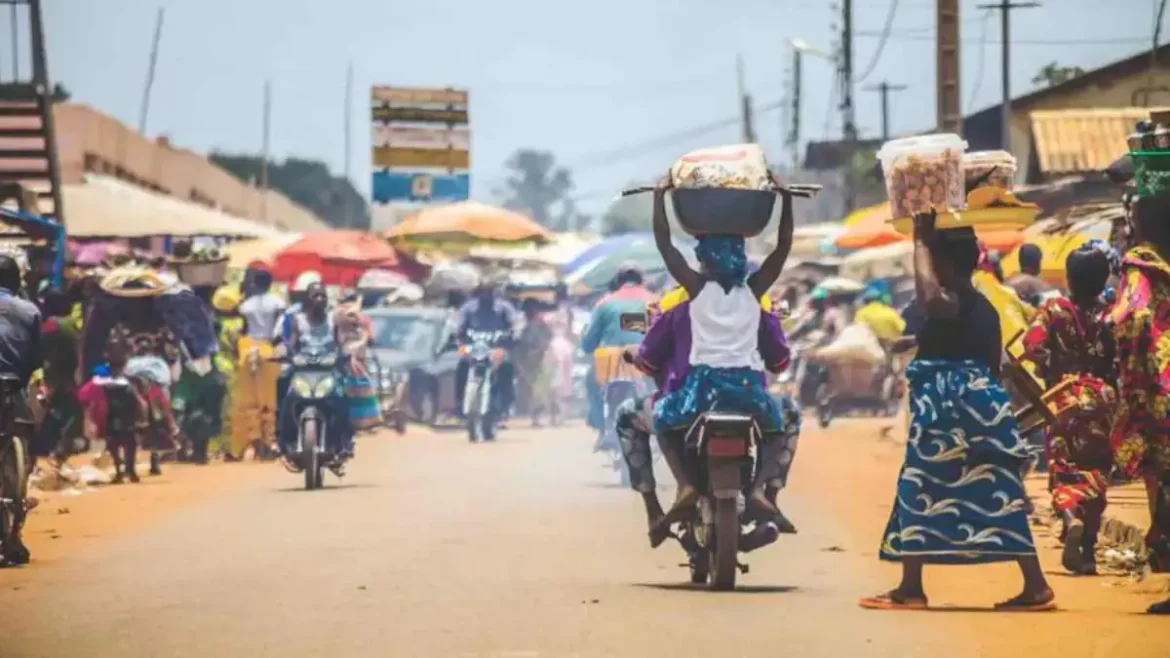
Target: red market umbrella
(341,257)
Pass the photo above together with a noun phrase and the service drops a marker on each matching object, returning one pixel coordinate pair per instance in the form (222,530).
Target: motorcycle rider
(20,356)
(629,295)
(487,311)
(662,356)
(313,330)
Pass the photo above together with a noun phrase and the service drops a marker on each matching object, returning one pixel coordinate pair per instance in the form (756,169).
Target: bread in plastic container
(924,173)
(723,190)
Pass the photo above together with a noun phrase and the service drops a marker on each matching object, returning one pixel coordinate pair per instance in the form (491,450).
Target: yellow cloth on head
(885,322)
(1014,314)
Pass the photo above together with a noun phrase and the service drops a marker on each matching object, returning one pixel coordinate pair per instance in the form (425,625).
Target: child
(726,368)
(114,410)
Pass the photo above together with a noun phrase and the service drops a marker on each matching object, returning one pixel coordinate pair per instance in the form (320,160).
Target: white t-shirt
(261,312)
(725,328)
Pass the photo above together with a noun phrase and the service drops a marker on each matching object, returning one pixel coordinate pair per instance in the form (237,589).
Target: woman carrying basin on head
(960,498)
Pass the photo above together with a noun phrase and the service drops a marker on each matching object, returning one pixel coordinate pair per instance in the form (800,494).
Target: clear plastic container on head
(990,169)
(924,173)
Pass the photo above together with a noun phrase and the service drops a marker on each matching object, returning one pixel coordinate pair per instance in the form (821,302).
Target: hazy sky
(593,81)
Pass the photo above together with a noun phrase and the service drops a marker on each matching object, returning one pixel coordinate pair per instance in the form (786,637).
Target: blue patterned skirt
(960,499)
(733,390)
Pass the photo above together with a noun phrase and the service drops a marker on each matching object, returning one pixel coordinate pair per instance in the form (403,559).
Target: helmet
(305,280)
(226,299)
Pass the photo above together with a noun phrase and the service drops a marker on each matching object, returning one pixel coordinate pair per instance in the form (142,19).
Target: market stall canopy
(870,227)
(468,221)
(890,261)
(839,285)
(1058,237)
(340,256)
(245,252)
(104,207)
(560,250)
(641,252)
(810,240)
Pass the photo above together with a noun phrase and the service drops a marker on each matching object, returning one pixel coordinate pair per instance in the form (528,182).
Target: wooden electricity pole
(948,107)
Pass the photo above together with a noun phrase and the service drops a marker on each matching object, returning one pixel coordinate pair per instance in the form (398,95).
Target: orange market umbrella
(871,229)
(468,221)
(340,256)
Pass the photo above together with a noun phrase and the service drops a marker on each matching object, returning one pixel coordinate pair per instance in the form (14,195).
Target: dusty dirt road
(524,548)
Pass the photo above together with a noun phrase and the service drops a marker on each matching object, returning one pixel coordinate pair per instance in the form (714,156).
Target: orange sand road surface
(433,547)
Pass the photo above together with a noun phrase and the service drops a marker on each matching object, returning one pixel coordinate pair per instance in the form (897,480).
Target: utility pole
(150,73)
(884,89)
(948,102)
(794,132)
(745,103)
(849,123)
(348,107)
(1005,8)
(264,150)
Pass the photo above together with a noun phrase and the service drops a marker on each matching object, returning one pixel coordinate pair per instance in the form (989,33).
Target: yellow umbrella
(468,221)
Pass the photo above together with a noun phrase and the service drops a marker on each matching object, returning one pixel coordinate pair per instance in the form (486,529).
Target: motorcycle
(312,398)
(484,355)
(719,453)
(392,395)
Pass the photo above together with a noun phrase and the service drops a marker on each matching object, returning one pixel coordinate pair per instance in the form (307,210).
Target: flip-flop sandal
(1016,605)
(1162,608)
(888,602)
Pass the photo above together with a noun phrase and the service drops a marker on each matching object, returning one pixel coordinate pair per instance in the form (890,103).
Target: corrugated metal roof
(1082,140)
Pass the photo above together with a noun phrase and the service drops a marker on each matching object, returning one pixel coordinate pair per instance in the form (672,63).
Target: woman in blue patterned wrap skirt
(959,499)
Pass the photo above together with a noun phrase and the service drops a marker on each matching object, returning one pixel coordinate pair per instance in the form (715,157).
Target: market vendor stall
(49,232)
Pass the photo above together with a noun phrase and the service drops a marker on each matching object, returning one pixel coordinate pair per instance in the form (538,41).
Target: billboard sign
(421,145)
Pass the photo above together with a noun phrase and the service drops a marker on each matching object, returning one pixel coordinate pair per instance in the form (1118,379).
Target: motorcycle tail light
(464,350)
(497,356)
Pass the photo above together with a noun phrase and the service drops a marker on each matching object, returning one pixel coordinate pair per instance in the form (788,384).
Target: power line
(1025,42)
(885,36)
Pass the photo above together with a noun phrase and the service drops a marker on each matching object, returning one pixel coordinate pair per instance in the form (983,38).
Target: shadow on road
(339,487)
(742,589)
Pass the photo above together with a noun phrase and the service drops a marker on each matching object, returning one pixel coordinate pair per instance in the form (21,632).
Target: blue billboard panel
(402,186)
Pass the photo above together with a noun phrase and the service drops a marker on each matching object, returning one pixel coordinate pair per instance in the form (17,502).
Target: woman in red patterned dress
(1070,341)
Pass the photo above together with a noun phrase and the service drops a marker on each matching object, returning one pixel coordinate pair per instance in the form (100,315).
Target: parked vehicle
(481,411)
(416,362)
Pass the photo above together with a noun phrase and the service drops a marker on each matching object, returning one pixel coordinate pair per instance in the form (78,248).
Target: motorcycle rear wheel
(726,552)
(13,487)
(309,438)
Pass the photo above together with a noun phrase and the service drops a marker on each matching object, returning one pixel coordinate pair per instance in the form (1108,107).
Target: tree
(307,182)
(1052,74)
(543,190)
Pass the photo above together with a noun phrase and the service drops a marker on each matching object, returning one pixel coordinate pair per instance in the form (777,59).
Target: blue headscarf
(876,291)
(725,259)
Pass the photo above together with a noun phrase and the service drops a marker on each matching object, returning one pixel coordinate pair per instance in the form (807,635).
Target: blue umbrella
(604,248)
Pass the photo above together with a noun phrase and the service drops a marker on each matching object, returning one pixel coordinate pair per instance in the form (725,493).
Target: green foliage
(540,188)
(307,182)
(1052,74)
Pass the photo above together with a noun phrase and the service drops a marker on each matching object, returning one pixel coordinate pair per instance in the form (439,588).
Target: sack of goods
(855,344)
(724,190)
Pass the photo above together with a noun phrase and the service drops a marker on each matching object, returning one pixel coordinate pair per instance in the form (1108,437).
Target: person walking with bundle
(1070,344)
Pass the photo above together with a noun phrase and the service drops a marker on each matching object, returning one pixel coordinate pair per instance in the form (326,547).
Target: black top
(972,334)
